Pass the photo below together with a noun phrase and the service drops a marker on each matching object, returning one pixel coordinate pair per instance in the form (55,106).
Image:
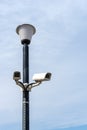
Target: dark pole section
(25,116)
(25,64)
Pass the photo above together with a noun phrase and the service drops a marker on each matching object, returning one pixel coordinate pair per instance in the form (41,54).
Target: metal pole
(25,64)
(25,110)
(25,116)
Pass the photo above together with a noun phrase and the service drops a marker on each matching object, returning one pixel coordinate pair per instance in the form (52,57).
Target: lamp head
(26,31)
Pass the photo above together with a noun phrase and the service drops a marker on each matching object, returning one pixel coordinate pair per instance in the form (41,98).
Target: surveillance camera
(17,75)
(42,77)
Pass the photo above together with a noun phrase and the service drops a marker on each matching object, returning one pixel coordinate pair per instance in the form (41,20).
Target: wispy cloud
(58,46)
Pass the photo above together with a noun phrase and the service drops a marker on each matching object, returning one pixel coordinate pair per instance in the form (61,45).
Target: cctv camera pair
(36,77)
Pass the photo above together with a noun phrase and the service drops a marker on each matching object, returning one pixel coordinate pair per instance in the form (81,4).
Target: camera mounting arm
(20,84)
(32,85)
(26,86)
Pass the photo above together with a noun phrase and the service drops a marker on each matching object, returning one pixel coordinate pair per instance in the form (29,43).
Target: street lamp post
(26,31)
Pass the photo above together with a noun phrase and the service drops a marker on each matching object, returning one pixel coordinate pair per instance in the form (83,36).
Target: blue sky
(59,46)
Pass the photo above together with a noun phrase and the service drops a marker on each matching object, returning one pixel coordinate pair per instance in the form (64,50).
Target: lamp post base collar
(25,41)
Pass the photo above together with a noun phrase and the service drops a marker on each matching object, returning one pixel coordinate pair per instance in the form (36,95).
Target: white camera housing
(17,75)
(42,77)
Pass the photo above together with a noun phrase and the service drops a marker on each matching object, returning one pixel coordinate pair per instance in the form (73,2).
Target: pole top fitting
(25,31)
